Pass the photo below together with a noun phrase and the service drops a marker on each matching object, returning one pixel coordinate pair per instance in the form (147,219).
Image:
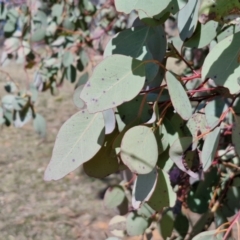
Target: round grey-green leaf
(136,224)
(72,143)
(139,150)
(114,196)
(67,59)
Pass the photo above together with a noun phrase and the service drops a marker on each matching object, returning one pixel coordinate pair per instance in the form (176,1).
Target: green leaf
(228,31)
(222,64)
(9,26)
(71,148)
(39,124)
(8,101)
(136,225)
(187,19)
(112,77)
(79,103)
(236,134)
(117,226)
(82,80)
(128,111)
(105,162)
(38,35)
(139,150)
(166,224)
(141,43)
(67,59)
(144,185)
(178,153)
(114,196)
(203,35)
(109,120)
(178,97)
(161,135)
(197,124)
(181,225)
(164,161)
(210,147)
(163,195)
(151,8)
(71,73)
(10,87)
(145,211)
(214,110)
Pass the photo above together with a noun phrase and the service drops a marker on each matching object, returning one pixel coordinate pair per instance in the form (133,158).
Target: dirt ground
(31,208)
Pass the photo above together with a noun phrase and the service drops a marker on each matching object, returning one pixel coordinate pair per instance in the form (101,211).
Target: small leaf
(117,226)
(163,194)
(178,96)
(145,185)
(203,35)
(114,196)
(161,135)
(214,110)
(71,148)
(187,19)
(139,150)
(71,74)
(39,124)
(38,35)
(79,103)
(178,152)
(112,77)
(136,225)
(67,59)
(210,147)
(109,120)
(166,224)
(236,134)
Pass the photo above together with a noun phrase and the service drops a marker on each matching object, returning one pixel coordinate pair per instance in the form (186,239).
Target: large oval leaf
(222,64)
(210,147)
(178,96)
(114,76)
(139,150)
(78,140)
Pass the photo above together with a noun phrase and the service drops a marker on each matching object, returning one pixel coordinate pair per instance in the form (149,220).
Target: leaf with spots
(72,145)
(178,96)
(139,150)
(163,195)
(114,76)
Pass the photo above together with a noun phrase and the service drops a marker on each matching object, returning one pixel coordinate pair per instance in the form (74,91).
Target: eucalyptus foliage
(178,134)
